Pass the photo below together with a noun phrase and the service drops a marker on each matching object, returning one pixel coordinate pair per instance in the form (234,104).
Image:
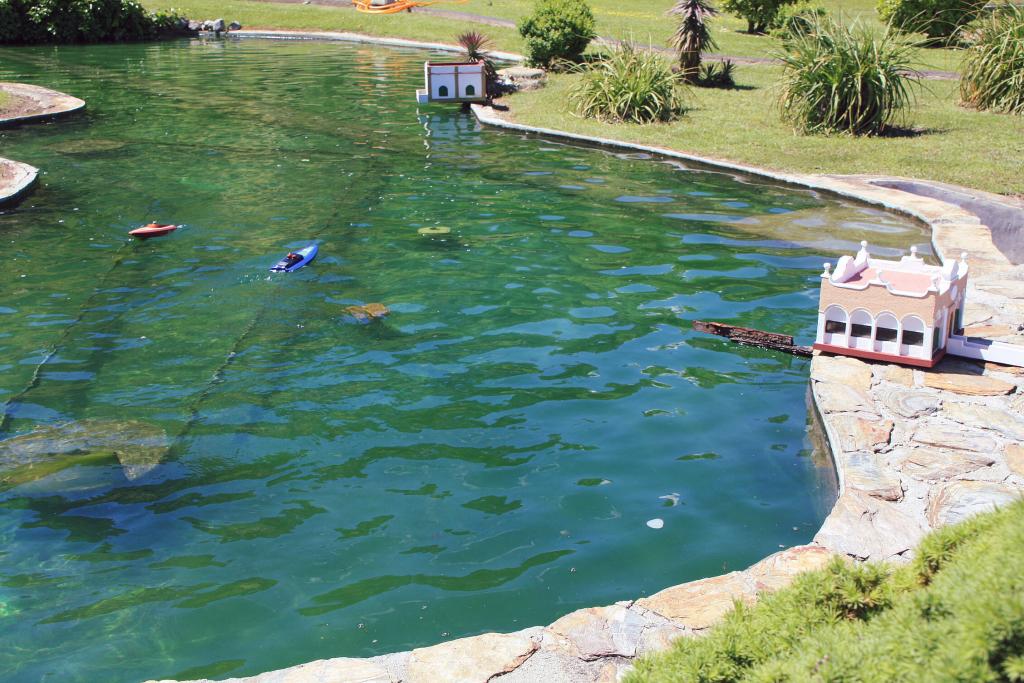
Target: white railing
(985,349)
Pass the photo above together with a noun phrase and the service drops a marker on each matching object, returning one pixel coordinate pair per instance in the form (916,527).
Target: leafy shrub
(992,74)
(938,19)
(557,30)
(692,36)
(759,13)
(843,78)
(720,75)
(83,21)
(794,20)
(476,46)
(12,21)
(629,85)
(874,623)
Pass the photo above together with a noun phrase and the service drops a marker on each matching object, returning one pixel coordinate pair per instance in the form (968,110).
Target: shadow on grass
(910,132)
(737,86)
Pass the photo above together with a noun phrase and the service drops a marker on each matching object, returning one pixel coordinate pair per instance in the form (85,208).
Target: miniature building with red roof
(903,311)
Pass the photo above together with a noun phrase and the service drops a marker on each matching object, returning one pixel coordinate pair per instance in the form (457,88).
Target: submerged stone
(368,312)
(138,446)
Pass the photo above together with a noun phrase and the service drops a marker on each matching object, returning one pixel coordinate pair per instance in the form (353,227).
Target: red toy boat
(152,230)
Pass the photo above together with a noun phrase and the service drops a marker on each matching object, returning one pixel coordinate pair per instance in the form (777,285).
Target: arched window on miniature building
(861,324)
(835,325)
(442,91)
(470,90)
(887,333)
(912,339)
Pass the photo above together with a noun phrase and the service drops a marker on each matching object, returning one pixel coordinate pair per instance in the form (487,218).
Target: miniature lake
(207,469)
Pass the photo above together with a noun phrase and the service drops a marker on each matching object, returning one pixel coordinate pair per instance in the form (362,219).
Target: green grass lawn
(953,144)
(647,23)
(953,614)
(413,26)
(644,23)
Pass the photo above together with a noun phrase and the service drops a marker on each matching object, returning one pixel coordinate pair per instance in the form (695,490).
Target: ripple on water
(519,413)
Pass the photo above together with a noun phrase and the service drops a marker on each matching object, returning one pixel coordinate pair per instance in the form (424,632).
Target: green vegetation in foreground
(412,26)
(955,613)
(643,22)
(951,143)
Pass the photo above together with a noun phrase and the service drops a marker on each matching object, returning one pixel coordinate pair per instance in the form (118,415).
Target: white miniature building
(453,82)
(903,311)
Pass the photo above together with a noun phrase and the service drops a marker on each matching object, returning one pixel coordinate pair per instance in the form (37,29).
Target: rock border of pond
(49,104)
(913,450)
(16,179)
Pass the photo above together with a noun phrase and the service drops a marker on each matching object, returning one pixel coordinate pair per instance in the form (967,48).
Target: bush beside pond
(631,85)
(557,30)
(954,613)
(842,78)
(85,21)
(993,71)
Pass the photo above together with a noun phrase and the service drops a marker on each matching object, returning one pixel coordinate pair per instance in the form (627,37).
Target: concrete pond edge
(349,37)
(896,481)
(50,104)
(16,179)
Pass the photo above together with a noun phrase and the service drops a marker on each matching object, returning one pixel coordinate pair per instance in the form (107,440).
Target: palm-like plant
(692,36)
(846,79)
(476,46)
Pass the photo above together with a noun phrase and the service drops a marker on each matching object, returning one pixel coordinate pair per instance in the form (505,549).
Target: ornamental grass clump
(842,78)
(629,85)
(992,74)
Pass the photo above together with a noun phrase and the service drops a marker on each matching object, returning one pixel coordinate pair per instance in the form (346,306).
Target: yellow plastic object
(438,230)
(397,6)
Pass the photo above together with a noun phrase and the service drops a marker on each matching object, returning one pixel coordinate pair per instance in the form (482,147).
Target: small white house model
(453,82)
(903,311)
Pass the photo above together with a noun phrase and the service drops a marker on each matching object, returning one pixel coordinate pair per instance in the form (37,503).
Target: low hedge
(84,21)
(954,613)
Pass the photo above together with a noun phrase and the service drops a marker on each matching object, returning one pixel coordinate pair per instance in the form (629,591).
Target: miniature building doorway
(912,338)
(887,333)
(835,325)
(861,328)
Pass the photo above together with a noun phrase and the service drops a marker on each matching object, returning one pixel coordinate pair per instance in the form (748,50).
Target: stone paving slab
(43,103)
(16,179)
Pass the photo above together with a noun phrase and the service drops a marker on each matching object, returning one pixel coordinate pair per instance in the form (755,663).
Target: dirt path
(505,23)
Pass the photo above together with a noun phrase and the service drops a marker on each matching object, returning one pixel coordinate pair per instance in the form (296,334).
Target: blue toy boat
(295,260)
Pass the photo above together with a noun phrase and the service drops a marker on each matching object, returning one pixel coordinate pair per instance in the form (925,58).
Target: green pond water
(209,470)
